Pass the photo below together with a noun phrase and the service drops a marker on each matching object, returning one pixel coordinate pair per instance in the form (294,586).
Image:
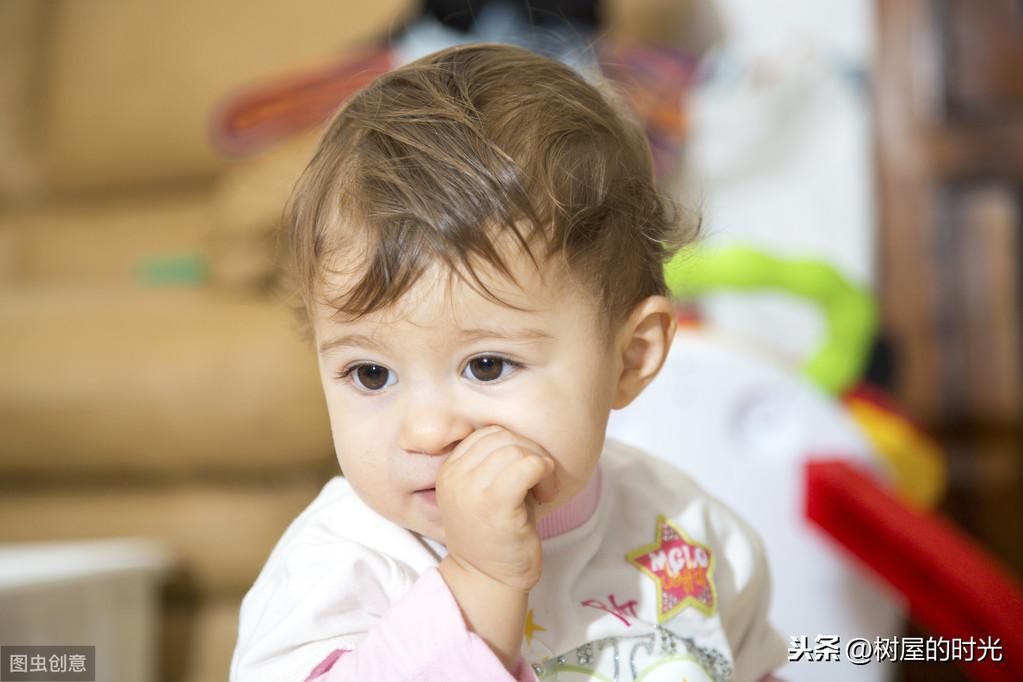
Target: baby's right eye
(370,377)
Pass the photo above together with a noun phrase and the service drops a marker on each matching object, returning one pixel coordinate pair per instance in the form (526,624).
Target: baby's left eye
(490,368)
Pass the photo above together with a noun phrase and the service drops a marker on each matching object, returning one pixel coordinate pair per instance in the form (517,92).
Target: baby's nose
(433,429)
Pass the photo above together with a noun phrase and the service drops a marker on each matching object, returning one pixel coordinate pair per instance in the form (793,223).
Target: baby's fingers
(525,472)
(465,449)
(547,489)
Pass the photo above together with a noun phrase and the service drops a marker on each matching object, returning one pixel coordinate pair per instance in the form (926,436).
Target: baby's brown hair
(438,158)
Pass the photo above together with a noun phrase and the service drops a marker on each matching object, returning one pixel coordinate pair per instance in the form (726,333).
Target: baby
(479,244)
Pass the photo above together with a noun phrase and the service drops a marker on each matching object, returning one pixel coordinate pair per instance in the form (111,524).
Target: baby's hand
(487,491)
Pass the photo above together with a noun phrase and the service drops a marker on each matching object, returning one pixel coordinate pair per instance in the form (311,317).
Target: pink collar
(573,513)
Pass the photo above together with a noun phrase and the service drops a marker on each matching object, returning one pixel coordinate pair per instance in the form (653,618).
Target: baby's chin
(411,517)
(425,522)
(432,531)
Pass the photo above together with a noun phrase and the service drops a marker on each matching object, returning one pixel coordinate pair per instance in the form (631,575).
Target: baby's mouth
(428,494)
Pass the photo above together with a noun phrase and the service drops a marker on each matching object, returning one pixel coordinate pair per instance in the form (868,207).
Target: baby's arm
(423,637)
(491,610)
(319,598)
(487,491)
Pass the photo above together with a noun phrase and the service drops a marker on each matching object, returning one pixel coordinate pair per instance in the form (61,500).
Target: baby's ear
(642,346)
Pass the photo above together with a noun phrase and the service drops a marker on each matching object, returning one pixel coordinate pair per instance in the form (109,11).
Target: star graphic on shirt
(682,569)
(531,627)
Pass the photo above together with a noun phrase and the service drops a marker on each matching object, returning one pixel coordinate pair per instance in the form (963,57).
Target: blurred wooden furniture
(949,116)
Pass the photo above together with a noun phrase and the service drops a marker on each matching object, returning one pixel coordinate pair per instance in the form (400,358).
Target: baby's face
(410,382)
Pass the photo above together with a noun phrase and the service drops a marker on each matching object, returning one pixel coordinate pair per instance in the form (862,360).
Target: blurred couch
(153,384)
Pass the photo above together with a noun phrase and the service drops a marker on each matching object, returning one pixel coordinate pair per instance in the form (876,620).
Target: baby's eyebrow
(526,334)
(350,341)
(363,341)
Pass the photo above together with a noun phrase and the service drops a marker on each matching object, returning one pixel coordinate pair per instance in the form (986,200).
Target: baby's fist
(487,491)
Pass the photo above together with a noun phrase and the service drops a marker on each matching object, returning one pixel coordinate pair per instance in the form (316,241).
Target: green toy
(849,310)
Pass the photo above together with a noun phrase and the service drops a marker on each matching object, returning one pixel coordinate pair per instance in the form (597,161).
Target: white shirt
(656,580)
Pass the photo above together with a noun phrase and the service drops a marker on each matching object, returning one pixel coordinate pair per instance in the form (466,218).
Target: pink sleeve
(422,637)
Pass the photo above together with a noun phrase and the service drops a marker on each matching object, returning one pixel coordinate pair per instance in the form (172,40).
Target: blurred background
(161,421)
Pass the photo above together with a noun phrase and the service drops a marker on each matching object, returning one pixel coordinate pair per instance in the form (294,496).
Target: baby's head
(478,240)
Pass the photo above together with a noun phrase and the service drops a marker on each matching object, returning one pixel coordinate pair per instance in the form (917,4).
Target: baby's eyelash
(347,371)
(515,366)
(507,361)
(345,374)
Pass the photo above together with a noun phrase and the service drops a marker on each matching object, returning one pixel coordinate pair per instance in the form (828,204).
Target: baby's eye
(490,368)
(369,377)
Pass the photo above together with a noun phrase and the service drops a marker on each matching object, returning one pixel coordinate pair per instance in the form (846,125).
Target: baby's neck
(573,513)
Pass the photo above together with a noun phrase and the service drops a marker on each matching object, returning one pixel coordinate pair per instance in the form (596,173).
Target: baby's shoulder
(333,571)
(338,530)
(329,517)
(638,480)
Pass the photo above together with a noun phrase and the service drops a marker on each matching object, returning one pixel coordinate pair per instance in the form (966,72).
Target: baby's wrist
(469,575)
(493,610)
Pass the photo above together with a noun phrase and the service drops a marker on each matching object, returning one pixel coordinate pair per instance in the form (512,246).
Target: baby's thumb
(547,489)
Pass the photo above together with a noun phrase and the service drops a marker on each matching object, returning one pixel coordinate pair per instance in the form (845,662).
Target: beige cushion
(100,382)
(12,246)
(246,242)
(110,241)
(131,86)
(21,26)
(222,533)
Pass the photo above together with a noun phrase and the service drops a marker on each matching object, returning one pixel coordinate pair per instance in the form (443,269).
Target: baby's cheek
(558,419)
(570,401)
